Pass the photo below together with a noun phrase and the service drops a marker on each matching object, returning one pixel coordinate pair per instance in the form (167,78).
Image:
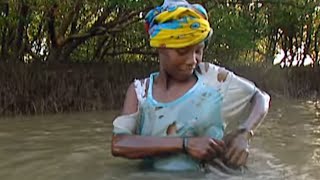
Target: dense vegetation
(83,30)
(36,35)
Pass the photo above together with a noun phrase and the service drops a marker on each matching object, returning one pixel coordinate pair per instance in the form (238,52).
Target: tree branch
(101,30)
(316,44)
(103,44)
(70,18)
(51,25)
(134,51)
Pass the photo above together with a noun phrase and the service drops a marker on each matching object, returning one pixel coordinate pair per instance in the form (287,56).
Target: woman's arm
(260,108)
(130,104)
(238,141)
(135,146)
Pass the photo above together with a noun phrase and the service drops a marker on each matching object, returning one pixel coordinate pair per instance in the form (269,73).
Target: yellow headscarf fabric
(177,25)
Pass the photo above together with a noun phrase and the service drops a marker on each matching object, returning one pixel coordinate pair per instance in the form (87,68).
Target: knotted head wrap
(177,24)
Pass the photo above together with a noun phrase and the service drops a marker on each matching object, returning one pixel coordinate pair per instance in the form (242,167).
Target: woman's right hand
(205,148)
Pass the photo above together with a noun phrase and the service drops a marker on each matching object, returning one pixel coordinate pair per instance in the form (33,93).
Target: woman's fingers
(234,157)
(221,143)
(243,158)
(237,151)
(205,148)
(238,157)
(211,153)
(230,152)
(217,146)
(202,148)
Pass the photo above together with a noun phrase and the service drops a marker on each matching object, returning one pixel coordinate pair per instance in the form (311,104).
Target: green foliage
(232,30)
(83,30)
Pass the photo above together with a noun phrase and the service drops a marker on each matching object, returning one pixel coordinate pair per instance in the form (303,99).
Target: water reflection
(77,146)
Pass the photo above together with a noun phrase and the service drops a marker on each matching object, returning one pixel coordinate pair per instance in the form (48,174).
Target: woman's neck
(167,81)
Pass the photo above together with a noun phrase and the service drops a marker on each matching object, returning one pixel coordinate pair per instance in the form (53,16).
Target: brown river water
(77,147)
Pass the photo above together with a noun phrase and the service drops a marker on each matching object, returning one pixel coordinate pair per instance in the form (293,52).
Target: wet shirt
(201,111)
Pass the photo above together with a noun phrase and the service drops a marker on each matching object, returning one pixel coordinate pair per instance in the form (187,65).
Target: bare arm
(135,146)
(260,102)
(238,142)
(130,104)
(260,107)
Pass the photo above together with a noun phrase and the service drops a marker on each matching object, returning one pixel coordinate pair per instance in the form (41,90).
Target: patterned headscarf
(177,24)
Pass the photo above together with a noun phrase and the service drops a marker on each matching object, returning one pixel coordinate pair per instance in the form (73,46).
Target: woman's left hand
(237,145)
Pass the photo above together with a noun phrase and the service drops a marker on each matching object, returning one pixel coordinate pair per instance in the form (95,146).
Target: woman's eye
(182,51)
(199,51)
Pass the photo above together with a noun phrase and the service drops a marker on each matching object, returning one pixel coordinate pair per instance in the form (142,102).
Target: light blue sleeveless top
(196,113)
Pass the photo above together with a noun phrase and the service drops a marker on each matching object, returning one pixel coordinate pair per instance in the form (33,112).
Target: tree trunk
(20,32)
(316,45)
(4,11)
(4,51)
(57,55)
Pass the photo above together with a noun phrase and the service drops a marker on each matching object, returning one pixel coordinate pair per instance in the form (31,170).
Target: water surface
(77,147)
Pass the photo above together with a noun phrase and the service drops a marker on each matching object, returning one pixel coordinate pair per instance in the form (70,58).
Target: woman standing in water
(175,119)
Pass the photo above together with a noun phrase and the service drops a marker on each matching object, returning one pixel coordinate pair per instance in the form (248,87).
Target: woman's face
(180,63)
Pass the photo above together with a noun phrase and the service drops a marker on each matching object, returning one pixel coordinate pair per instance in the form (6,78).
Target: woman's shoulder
(205,67)
(141,88)
(210,70)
